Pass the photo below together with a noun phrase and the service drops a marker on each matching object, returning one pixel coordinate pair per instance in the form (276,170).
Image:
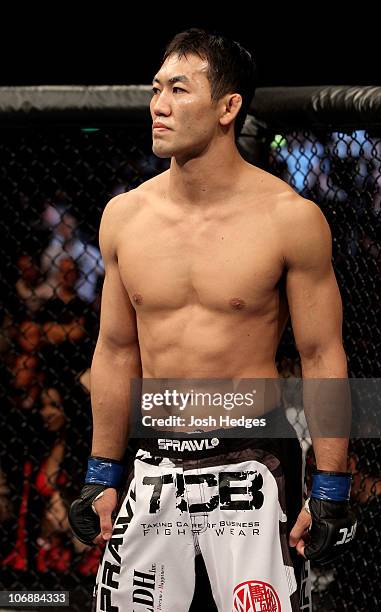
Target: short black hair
(231,68)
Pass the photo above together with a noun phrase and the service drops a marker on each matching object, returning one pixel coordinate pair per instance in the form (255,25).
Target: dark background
(121,43)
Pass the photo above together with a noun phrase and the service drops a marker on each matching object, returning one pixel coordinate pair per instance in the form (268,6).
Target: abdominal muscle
(196,348)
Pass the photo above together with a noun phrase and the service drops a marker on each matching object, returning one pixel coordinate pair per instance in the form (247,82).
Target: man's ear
(231,106)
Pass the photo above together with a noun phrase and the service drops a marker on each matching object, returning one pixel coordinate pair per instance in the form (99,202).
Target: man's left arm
(316,314)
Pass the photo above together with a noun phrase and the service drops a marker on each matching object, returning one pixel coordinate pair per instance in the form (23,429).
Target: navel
(237,303)
(138,299)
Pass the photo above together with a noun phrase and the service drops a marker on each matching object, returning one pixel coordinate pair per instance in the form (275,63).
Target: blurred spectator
(26,382)
(23,302)
(6,506)
(27,376)
(8,332)
(21,430)
(65,241)
(29,336)
(63,315)
(17,558)
(28,286)
(56,543)
(64,319)
(359,155)
(52,412)
(50,478)
(302,159)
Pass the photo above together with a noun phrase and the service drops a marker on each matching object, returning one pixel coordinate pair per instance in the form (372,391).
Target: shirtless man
(194,261)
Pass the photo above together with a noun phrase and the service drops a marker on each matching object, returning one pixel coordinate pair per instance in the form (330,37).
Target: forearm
(111,373)
(326,400)
(331,454)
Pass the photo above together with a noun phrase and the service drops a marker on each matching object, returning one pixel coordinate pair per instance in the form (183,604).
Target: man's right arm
(116,357)
(116,361)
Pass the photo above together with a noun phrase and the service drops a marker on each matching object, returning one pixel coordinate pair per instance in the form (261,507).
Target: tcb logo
(228,484)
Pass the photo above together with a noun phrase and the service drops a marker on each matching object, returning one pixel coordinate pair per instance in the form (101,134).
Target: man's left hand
(327,526)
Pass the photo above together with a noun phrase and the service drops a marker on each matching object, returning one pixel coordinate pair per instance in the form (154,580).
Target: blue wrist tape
(331,487)
(104,471)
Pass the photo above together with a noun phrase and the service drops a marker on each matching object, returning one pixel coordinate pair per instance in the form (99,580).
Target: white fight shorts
(234,501)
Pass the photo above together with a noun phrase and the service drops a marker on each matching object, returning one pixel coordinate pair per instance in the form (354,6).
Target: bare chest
(222,265)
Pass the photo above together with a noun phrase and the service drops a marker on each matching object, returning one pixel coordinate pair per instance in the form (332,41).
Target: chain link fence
(341,172)
(56,179)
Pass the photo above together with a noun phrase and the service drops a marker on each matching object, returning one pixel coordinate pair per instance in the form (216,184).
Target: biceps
(315,309)
(118,321)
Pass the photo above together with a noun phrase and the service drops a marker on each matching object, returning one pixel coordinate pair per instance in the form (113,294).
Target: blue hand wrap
(331,487)
(103,471)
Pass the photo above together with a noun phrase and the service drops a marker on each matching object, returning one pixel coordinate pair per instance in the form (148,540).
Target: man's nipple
(138,299)
(237,303)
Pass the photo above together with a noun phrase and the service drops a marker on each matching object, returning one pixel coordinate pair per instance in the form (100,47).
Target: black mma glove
(333,524)
(102,473)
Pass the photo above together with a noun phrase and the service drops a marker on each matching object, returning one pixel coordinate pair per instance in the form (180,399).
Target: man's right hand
(90,520)
(105,507)
(90,516)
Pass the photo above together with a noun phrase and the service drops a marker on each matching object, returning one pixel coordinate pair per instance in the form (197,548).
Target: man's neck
(206,178)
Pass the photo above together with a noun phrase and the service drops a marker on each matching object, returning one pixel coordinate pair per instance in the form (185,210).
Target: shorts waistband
(192,448)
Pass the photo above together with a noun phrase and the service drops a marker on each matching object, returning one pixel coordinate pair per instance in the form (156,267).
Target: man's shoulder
(298,222)
(281,199)
(123,203)
(154,186)
(274,190)
(265,191)
(299,214)
(126,205)
(303,229)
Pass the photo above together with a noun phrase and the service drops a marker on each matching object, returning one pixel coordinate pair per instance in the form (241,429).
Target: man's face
(182,103)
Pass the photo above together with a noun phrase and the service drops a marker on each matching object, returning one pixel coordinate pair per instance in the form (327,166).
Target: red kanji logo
(255,596)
